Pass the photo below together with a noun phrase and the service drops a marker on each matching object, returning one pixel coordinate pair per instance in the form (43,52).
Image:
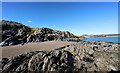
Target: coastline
(95,36)
(95,56)
(112,36)
(21,55)
(102,40)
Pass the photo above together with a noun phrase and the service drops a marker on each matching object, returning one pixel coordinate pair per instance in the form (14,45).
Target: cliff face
(16,33)
(13,33)
(46,34)
(10,28)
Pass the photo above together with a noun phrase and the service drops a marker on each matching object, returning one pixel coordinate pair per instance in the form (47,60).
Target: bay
(113,39)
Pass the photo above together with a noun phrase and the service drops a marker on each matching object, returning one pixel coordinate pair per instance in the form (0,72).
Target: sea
(113,39)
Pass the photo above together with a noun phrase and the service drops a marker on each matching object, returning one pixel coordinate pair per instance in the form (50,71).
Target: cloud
(4,18)
(29,21)
(54,25)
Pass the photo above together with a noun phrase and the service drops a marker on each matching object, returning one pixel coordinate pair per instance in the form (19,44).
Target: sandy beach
(11,51)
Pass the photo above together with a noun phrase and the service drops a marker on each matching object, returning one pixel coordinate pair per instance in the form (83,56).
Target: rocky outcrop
(46,34)
(10,28)
(13,33)
(95,56)
(56,60)
(16,33)
(82,56)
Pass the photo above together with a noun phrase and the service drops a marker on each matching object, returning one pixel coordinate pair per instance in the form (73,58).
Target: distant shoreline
(96,36)
(112,36)
(102,39)
(104,36)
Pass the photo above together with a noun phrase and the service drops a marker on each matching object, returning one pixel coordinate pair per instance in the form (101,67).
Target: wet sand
(11,51)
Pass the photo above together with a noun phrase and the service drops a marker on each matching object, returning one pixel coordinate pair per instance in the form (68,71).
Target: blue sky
(76,17)
(60,0)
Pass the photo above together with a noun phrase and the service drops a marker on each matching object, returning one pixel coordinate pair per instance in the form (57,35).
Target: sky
(60,0)
(77,17)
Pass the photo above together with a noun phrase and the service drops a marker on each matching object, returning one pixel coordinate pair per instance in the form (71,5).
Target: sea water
(113,39)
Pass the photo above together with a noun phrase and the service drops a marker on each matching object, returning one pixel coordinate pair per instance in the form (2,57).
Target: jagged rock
(14,33)
(56,60)
(77,57)
(46,34)
(95,56)
(85,56)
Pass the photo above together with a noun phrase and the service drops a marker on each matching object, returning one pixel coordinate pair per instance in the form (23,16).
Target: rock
(112,68)
(75,57)
(94,56)
(14,33)
(56,60)
(82,55)
(4,61)
(91,51)
(2,43)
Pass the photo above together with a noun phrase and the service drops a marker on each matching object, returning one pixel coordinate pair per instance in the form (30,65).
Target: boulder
(55,60)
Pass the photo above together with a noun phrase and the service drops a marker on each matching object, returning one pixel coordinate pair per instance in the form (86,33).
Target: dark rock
(75,57)
(87,59)
(56,60)
(14,33)
(94,56)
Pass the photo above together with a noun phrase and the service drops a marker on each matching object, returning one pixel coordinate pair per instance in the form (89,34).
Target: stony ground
(82,56)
